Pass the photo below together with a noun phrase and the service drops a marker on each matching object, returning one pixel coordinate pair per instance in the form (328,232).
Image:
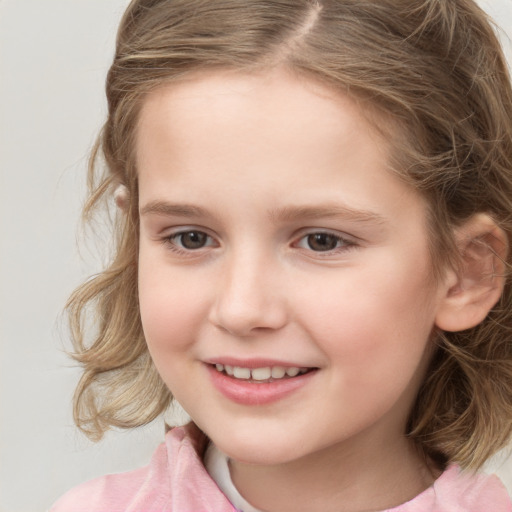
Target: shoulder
(114,492)
(471,492)
(460,491)
(169,482)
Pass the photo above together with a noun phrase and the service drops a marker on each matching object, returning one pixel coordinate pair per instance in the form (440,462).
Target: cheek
(373,320)
(170,306)
(170,309)
(375,340)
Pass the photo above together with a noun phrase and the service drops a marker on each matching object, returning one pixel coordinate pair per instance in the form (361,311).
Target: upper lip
(254,362)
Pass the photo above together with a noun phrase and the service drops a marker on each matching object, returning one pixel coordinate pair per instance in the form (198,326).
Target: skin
(252,154)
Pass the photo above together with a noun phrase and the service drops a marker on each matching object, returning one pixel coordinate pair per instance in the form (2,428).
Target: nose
(250,297)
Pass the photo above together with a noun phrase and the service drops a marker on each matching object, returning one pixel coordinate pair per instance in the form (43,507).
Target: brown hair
(434,67)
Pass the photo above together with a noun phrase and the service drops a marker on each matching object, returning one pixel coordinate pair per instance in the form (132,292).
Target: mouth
(265,374)
(258,381)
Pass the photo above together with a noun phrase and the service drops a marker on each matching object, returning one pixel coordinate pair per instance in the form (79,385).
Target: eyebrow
(325,211)
(172,209)
(285,214)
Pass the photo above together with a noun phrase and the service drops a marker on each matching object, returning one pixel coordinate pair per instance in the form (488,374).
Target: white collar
(216,463)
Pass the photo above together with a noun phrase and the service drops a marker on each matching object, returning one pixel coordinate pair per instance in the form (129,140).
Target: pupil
(322,242)
(193,239)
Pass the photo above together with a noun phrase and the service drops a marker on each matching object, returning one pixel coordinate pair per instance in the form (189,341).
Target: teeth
(261,374)
(278,372)
(241,373)
(292,372)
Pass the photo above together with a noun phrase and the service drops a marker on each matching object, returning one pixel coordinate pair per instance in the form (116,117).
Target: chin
(257,450)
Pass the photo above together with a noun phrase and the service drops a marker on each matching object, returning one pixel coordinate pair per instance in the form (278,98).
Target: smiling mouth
(264,374)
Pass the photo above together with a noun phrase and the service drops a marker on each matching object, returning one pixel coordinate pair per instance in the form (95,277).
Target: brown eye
(322,241)
(191,240)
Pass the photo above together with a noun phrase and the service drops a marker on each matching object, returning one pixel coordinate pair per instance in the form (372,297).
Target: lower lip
(248,392)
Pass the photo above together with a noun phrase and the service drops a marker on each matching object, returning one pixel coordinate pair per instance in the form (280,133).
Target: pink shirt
(176,481)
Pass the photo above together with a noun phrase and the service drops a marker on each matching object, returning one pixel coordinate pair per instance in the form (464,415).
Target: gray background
(53,59)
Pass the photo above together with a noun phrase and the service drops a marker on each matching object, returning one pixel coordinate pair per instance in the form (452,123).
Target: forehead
(225,108)
(270,138)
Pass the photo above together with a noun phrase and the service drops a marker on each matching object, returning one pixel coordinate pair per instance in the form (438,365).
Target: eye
(190,240)
(323,242)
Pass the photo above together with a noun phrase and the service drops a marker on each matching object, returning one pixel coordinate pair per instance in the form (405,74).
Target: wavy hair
(434,68)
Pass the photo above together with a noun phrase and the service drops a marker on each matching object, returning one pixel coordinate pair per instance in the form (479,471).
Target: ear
(121,197)
(474,288)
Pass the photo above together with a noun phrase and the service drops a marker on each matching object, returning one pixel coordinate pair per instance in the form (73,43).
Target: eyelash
(170,241)
(345,244)
(341,243)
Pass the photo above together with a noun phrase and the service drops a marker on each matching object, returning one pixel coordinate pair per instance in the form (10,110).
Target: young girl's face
(276,244)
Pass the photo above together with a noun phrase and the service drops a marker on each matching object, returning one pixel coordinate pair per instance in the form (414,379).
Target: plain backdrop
(54,55)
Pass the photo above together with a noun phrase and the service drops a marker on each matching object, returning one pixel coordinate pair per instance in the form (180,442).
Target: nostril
(242,320)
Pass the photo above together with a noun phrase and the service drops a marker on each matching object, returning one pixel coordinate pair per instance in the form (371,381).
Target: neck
(341,478)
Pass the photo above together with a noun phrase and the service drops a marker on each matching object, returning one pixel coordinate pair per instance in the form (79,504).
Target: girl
(314,221)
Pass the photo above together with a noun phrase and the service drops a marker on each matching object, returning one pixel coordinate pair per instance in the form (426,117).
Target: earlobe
(475,287)
(121,197)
